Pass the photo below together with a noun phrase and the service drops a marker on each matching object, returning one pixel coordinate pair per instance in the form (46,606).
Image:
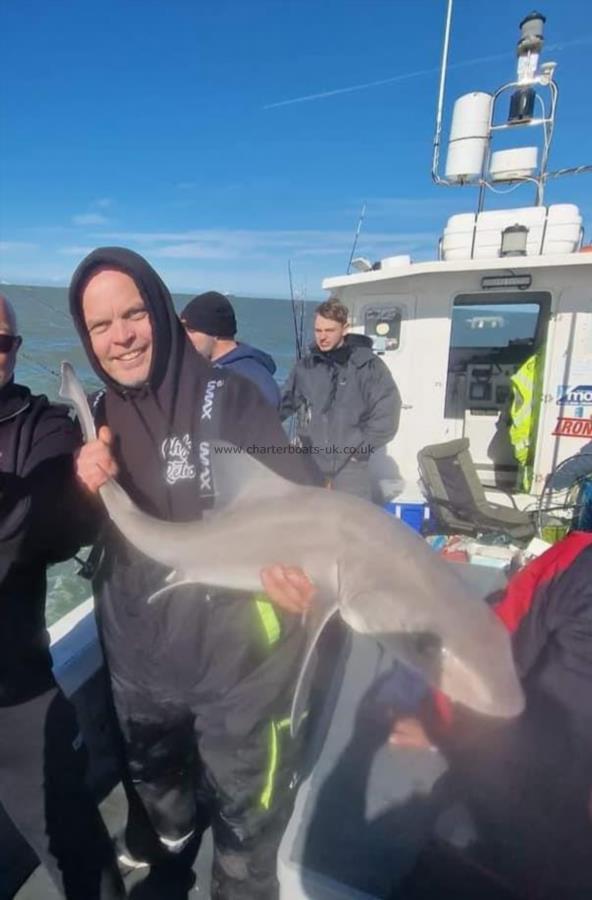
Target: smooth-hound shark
(382,578)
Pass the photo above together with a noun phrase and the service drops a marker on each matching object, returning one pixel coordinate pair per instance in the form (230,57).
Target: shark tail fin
(72,392)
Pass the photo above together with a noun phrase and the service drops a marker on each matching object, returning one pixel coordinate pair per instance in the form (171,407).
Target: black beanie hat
(211,313)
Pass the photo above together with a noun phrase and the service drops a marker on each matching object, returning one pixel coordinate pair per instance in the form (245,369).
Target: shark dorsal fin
(239,476)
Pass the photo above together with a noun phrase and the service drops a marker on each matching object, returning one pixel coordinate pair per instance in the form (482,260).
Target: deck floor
(142,884)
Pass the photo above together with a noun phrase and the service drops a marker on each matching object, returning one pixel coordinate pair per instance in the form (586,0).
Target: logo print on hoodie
(176,452)
(208,403)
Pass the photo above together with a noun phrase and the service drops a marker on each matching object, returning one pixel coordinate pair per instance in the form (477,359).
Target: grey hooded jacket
(346,410)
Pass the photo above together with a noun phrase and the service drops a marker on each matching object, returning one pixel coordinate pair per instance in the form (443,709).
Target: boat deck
(141,884)
(362,826)
(435,869)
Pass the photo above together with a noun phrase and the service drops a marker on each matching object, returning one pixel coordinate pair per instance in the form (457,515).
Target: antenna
(441,92)
(533,96)
(356,236)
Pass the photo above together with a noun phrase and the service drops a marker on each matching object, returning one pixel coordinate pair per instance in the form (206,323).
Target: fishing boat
(508,291)
(363,814)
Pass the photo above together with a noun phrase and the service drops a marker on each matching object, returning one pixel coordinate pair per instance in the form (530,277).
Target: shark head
(468,656)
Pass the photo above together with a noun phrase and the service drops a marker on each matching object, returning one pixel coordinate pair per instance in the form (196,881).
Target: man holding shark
(201,690)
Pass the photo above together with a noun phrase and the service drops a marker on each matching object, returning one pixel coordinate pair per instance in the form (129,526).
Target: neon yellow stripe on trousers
(269,619)
(267,793)
(274,755)
(272,629)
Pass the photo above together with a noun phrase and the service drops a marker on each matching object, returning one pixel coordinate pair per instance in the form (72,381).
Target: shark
(381,577)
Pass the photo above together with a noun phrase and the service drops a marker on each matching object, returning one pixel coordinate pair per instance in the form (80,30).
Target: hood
(360,346)
(150,422)
(14,399)
(245,351)
(358,340)
(167,332)
(356,348)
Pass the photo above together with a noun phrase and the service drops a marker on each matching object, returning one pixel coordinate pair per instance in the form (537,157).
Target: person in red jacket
(529,782)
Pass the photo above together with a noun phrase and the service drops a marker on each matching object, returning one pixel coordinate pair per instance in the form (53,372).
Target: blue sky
(163,125)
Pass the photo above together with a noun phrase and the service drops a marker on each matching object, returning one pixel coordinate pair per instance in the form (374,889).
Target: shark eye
(428,645)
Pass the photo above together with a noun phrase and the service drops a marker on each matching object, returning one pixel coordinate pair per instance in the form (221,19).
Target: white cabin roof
(441,267)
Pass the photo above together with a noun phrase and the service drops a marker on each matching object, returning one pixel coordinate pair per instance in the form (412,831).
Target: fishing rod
(59,312)
(356,236)
(35,362)
(31,359)
(297,336)
(302,318)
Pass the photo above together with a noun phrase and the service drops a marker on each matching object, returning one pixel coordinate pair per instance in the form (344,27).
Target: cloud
(242,261)
(90,219)
(75,250)
(244,241)
(419,73)
(197,251)
(103,202)
(17,246)
(416,210)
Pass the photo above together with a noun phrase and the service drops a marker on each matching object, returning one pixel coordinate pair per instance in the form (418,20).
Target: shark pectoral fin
(237,474)
(316,621)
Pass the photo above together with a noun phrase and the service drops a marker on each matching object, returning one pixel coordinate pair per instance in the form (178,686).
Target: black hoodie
(146,421)
(157,429)
(37,490)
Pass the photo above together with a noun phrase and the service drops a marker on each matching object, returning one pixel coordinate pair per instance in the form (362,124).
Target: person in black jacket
(346,401)
(201,689)
(43,519)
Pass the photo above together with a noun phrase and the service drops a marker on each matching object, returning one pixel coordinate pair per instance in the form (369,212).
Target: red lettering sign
(573,427)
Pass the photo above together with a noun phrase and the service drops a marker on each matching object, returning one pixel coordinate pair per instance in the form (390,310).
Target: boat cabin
(453,332)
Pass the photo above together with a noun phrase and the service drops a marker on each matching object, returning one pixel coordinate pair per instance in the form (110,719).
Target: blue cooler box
(413,514)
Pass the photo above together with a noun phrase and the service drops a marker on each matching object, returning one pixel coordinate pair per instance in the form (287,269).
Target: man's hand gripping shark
(379,575)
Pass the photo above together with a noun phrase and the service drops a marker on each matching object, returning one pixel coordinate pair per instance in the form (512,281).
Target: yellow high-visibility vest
(524,415)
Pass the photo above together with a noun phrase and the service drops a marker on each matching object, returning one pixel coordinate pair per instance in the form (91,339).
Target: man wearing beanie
(210,324)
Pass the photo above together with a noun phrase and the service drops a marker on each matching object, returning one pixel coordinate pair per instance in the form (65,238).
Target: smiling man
(119,327)
(182,670)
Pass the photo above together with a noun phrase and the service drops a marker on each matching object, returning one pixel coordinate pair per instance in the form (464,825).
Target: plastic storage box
(416,514)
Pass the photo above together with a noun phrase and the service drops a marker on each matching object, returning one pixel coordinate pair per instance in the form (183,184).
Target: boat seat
(457,498)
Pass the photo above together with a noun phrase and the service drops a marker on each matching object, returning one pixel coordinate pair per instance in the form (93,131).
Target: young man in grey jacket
(346,401)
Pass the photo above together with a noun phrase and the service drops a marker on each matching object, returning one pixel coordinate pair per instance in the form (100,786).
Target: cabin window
(383,325)
(494,325)
(491,337)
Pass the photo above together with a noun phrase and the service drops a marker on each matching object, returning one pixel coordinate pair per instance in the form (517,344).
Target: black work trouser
(42,789)
(189,780)
(205,732)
